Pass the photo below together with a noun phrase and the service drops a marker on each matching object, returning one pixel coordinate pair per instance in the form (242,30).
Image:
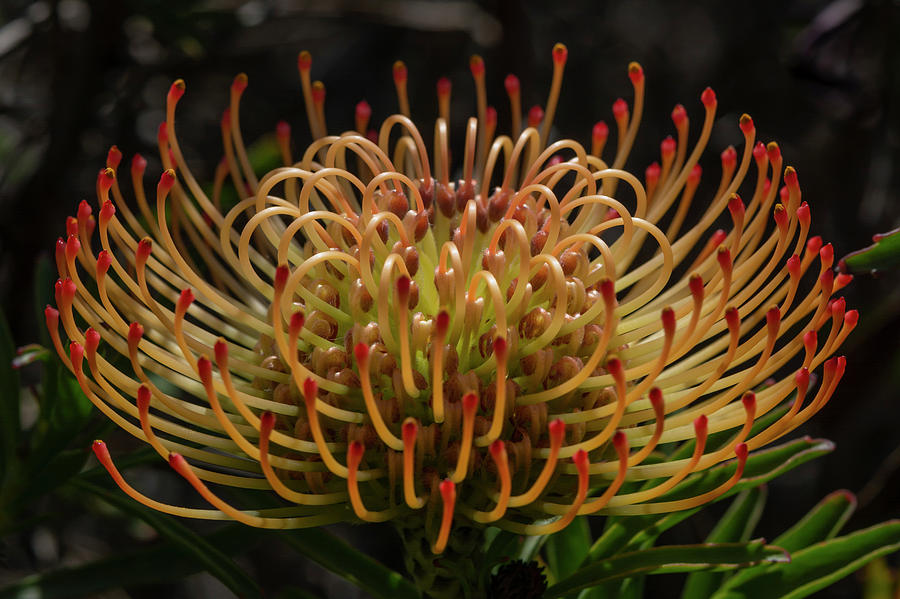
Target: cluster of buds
(368,339)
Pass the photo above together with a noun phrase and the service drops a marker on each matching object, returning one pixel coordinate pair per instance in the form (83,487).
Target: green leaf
(882,255)
(736,525)
(337,556)
(821,523)
(567,549)
(670,559)
(167,561)
(9,400)
(631,532)
(211,557)
(815,567)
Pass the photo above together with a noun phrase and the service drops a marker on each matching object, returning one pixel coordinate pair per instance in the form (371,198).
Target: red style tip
(176,91)
(774,152)
(107,211)
(84,210)
(814,245)
(557,430)
(490,116)
(297,321)
(732,317)
(679,115)
(410,430)
(560,53)
(204,369)
(400,72)
(177,461)
(696,285)
(363,110)
(476,65)
(729,157)
(166,181)
(600,132)
(51,316)
(790,177)
(444,86)
(652,173)
(144,248)
(535,116)
(403,289)
(283,130)
(310,390)
(793,265)
(749,400)
(318,92)
(143,398)
(113,157)
(741,450)
(68,290)
(668,321)
(72,247)
(759,152)
(608,290)
(620,441)
(708,97)
(448,491)
(803,214)
(581,459)
(700,425)
(91,341)
(667,147)
(71,226)
(826,255)
(469,403)
(185,299)
(239,84)
(135,332)
(656,397)
(105,179)
(694,176)
(780,216)
(221,351)
(266,423)
(162,134)
(614,366)
(103,263)
(361,351)
(100,450)
(620,109)
(736,206)
(635,73)
(76,354)
(512,85)
(304,61)
(723,255)
(442,323)
(747,124)
(497,448)
(773,320)
(500,347)
(281,276)
(851,318)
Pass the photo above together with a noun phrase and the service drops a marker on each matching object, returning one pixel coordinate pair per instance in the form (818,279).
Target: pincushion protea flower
(371,341)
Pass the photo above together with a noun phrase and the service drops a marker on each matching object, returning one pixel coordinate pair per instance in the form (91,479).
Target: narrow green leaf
(566,550)
(821,523)
(882,255)
(878,580)
(211,557)
(630,532)
(337,556)
(735,526)
(815,567)
(670,559)
(163,562)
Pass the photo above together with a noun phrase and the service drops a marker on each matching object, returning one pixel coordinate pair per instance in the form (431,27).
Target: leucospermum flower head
(370,339)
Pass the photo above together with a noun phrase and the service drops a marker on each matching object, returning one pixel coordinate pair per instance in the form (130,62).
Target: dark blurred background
(822,77)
